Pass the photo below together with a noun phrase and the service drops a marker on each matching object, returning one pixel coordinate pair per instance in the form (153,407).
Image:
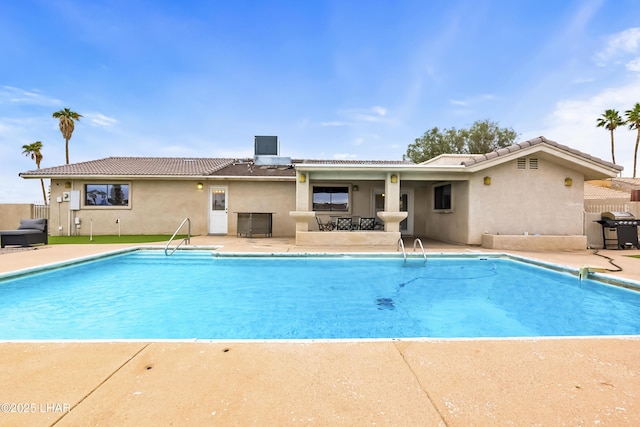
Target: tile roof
(592,191)
(248,168)
(532,142)
(179,166)
(137,166)
(353,162)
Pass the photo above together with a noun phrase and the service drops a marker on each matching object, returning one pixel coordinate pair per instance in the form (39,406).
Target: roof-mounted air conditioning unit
(266,146)
(267,151)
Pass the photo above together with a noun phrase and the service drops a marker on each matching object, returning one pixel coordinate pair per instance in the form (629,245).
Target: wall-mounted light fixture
(67,184)
(199,186)
(394,178)
(568,182)
(355,188)
(302,177)
(487,180)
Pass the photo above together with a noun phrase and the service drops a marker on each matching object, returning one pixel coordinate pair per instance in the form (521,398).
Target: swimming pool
(144,294)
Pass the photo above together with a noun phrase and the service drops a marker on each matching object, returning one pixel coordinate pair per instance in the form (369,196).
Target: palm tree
(33,150)
(633,120)
(610,120)
(67,118)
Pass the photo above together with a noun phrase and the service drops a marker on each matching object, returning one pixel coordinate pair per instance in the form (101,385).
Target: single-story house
(532,190)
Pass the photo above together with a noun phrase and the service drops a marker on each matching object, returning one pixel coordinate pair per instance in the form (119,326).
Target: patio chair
(29,232)
(328,226)
(344,224)
(367,223)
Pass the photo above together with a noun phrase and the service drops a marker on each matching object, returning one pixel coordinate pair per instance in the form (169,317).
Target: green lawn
(134,238)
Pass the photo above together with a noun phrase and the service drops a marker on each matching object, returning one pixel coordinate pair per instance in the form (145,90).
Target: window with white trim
(106,194)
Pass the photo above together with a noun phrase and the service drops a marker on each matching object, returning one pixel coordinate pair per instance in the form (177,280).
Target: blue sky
(344,79)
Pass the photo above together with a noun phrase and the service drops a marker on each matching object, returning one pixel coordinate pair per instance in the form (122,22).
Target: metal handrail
(421,247)
(401,245)
(186,239)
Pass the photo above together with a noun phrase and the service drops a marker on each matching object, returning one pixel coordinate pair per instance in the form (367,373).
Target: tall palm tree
(633,120)
(610,120)
(67,118)
(33,150)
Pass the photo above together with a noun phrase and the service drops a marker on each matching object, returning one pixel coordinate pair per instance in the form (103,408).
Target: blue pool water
(193,294)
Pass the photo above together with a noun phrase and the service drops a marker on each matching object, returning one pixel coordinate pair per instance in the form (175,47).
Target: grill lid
(618,215)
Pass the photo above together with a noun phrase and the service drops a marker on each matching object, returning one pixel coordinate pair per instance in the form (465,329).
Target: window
(442,197)
(331,199)
(106,195)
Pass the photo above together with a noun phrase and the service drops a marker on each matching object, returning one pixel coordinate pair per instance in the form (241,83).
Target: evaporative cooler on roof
(266,146)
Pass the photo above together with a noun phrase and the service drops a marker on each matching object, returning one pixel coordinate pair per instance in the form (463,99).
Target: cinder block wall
(12,213)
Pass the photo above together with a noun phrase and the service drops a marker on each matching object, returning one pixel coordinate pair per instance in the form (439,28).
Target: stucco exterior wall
(451,225)
(155,207)
(535,201)
(158,207)
(421,207)
(278,198)
(12,213)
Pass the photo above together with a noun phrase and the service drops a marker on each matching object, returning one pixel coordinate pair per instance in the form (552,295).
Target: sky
(333,79)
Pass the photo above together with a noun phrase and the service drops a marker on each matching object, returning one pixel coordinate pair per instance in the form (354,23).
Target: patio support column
(302,191)
(302,214)
(392,215)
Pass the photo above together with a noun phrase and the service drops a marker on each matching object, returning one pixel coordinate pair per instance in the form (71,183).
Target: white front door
(218,210)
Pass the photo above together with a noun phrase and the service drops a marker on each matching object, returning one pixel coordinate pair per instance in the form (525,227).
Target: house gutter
(163,177)
(378,168)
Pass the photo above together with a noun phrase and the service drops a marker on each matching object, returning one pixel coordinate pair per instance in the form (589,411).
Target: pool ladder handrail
(186,239)
(401,245)
(418,241)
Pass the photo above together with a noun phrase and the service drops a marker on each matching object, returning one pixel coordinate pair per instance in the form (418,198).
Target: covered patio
(342,197)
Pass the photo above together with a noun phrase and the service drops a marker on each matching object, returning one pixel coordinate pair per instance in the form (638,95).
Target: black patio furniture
(344,224)
(367,223)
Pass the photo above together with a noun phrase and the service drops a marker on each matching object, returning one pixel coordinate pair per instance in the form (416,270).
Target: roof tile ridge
(221,166)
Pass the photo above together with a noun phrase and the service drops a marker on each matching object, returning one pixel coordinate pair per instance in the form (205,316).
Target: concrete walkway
(549,382)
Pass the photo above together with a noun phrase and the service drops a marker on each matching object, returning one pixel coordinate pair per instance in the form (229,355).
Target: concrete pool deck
(584,381)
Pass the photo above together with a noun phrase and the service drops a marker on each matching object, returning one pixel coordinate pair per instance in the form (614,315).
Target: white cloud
(16,95)
(373,114)
(355,116)
(573,122)
(97,119)
(625,42)
(381,111)
(634,65)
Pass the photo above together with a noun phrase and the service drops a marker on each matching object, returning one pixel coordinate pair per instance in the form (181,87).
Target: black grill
(619,228)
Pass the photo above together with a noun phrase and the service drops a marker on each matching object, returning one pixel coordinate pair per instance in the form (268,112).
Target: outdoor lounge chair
(29,232)
(344,224)
(367,223)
